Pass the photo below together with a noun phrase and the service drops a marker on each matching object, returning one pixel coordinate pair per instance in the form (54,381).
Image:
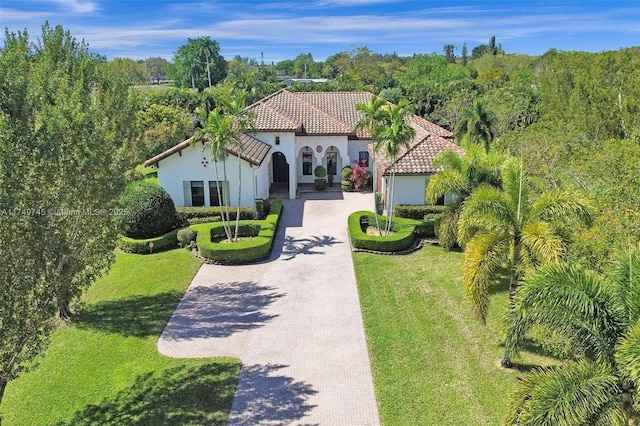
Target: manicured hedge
(258,247)
(163,242)
(205,219)
(401,240)
(246,213)
(417,211)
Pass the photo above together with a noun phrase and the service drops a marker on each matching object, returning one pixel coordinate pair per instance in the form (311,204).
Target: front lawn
(105,368)
(433,362)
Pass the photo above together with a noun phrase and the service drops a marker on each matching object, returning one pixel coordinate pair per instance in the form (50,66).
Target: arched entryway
(280,168)
(333,161)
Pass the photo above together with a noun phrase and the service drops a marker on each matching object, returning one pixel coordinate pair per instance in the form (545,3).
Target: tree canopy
(64,124)
(197,64)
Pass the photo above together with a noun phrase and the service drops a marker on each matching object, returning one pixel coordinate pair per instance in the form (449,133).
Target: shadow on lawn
(138,316)
(178,396)
(220,310)
(265,397)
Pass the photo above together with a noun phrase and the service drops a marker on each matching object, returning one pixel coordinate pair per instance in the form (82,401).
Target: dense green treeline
(574,117)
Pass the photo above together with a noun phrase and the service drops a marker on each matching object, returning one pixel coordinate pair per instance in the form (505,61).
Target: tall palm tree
(477,124)
(192,70)
(234,106)
(600,320)
(393,136)
(511,229)
(372,119)
(206,49)
(459,177)
(217,132)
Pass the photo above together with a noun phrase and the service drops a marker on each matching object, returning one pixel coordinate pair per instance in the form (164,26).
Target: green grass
(433,362)
(105,368)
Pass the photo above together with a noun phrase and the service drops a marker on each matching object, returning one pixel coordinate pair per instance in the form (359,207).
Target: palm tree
(234,107)
(206,49)
(459,177)
(192,70)
(600,320)
(394,135)
(509,228)
(217,132)
(372,119)
(477,124)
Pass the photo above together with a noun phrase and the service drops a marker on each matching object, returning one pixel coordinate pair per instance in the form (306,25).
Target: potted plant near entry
(320,173)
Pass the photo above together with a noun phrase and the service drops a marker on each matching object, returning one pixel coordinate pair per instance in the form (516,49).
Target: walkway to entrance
(294,321)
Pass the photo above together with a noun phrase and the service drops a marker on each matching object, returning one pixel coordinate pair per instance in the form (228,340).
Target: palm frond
(485,210)
(542,243)
(448,159)
(449,225)
(516,185)
(483,256)
(449,181)
(626,277)
(572,302)
(580,393)
(559,205)
(628,354)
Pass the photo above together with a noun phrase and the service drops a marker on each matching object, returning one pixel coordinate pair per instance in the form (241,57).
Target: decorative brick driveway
(294,322)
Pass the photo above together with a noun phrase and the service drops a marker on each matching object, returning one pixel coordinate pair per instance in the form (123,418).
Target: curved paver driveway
(294,321)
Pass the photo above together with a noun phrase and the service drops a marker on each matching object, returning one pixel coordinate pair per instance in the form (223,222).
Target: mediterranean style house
(295,132)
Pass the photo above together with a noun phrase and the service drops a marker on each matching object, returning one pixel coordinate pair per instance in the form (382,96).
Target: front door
(280,168)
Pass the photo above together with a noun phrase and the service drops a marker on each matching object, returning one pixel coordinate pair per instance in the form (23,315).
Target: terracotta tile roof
(418,158)
(433,129)
(254,151)
(334,113)
(314,113)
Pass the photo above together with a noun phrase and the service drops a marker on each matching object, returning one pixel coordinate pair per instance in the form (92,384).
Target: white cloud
(76,6)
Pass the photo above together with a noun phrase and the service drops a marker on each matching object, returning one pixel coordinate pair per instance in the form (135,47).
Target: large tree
(156,68)
(64,120)
(197,64)
(599,319)
(512,229)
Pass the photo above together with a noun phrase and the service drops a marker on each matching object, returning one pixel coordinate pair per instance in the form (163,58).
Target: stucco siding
(410,189)
(192,165)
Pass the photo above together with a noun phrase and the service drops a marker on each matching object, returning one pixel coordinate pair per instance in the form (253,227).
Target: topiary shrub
(261,208)
(346,184)
(186,236)
(320,172)
(150,211)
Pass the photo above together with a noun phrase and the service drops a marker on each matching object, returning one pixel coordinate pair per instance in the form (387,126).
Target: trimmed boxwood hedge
(188,213)
(401,240)
(250,250)
(163,242)
(417,211)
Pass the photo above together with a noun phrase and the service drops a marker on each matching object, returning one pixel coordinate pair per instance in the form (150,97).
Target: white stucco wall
(410,189)
(355,147)
(193,165)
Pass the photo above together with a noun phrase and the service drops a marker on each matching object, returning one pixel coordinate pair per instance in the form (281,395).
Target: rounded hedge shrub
(149,210)
(320,172)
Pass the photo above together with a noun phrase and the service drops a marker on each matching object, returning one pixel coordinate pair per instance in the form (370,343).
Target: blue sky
(280,30)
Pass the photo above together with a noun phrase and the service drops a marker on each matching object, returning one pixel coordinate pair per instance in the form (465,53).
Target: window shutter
(186,190)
